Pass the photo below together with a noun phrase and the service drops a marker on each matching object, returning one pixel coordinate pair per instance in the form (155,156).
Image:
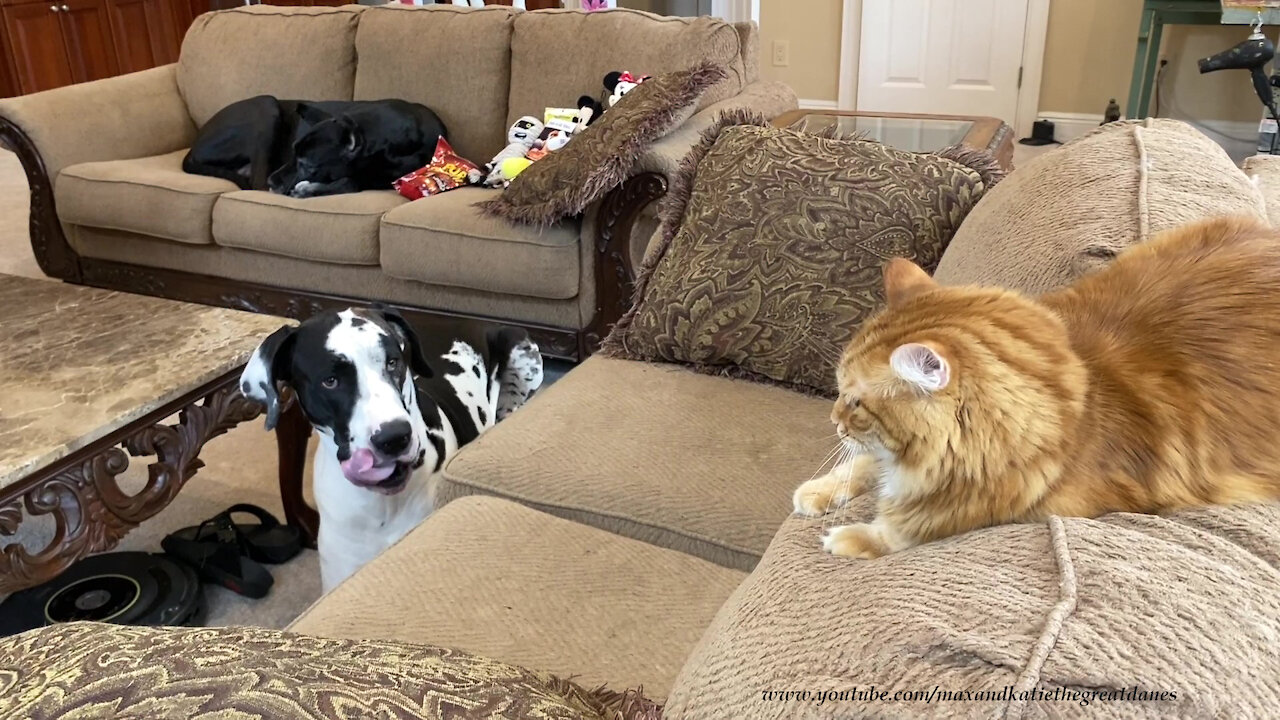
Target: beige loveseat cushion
(640,42)
(293,53)
(1073,209)
(454,60)
(445,240)
(705,465)
(332,228)
(150,196)
(496,578)
(1186,604)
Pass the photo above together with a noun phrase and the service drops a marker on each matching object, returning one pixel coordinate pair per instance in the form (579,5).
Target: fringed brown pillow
(565,182)
(773,242)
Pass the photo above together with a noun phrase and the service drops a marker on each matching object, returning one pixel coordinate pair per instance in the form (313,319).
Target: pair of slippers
(232,554)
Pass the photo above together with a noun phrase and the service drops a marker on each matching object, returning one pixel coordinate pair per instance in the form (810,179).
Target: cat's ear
(904,280)
(922,366)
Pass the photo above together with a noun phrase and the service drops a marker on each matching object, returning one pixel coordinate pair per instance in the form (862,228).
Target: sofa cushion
(1073,209)
(700,464)
(400,56)
(150,196)
(1053,619)
(331,228)
(641,42)
(445,240)
(94,670)
(293,53)
(773,243)
(499,579)
(603,155)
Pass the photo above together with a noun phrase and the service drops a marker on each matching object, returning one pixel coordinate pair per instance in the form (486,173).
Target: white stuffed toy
(520,139)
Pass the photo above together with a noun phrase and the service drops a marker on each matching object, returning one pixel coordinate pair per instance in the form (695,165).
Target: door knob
(54,8)
(65,8)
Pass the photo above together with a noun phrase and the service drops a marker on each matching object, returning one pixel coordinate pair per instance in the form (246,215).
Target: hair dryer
(1251,54)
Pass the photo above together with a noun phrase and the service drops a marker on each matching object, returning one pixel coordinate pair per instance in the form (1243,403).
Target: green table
(1158,13)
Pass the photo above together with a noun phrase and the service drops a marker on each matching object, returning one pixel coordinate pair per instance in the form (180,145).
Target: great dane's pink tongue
(360,468)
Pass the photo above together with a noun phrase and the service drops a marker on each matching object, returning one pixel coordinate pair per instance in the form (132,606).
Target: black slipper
(267,541)
(218,557)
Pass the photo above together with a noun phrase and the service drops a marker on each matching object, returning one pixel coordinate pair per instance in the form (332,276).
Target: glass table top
(914,134)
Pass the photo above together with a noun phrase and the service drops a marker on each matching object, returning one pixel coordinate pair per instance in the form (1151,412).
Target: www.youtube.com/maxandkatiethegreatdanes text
(938,694)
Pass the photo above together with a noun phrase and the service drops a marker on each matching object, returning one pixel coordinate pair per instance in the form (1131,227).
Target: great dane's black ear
(312,114)
(271,363)
(352,136)
(408,339)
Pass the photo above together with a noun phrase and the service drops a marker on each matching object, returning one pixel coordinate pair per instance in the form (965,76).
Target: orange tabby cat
(1148,386)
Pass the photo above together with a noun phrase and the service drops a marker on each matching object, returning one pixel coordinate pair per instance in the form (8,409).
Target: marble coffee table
(90,378)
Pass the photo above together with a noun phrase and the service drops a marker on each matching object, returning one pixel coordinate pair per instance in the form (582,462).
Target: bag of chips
(447,171)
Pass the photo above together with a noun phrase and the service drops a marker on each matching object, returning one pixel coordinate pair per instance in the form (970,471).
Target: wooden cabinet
(51,43)
(145,32)
(86,30)
(38,46)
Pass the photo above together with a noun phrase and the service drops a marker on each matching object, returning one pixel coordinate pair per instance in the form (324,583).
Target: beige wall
(812,27)
(1089,59)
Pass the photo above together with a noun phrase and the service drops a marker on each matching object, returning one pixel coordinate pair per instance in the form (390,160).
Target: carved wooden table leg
(81,492)
(292,433)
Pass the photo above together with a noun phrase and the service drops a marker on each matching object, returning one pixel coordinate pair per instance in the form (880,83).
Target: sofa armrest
(770,99)
(612,238)
(127,116)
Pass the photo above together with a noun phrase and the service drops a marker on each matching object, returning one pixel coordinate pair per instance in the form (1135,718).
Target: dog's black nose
(392,438)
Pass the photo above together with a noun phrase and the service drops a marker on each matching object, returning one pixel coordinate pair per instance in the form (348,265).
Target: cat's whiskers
(826,460)
(847,453)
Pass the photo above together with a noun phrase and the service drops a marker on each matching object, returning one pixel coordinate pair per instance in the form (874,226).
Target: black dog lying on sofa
(304,149)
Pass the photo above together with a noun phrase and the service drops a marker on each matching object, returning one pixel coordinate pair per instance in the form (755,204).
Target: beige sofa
(624,527)
(111,206)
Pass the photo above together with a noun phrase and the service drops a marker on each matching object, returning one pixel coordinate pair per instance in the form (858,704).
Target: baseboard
(818,104)
(1069,126)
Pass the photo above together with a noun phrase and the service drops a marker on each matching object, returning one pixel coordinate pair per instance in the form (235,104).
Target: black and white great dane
(390,409)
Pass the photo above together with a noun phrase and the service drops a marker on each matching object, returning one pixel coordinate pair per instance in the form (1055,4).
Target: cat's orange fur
(1151,385)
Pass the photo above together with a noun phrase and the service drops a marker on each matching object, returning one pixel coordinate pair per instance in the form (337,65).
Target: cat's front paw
(816,497)
(862,540)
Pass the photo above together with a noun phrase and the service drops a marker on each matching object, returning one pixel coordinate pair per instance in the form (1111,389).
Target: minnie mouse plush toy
(621,83)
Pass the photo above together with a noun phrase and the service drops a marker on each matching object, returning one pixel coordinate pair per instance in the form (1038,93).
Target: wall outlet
(781,53)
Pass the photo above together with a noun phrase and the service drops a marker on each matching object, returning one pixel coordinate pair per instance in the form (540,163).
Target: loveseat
(111,207)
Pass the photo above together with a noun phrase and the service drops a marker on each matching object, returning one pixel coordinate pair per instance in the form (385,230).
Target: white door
(941,57)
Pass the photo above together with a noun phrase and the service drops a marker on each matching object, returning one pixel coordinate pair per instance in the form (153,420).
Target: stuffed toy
(589,110)
(621,83)
(511,167)
(554,140)
(521,137)
(551,141)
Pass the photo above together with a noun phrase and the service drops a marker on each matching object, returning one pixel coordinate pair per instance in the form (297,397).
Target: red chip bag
(447,171)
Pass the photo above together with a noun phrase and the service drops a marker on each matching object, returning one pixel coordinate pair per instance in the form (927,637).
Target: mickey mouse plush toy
(589,110)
